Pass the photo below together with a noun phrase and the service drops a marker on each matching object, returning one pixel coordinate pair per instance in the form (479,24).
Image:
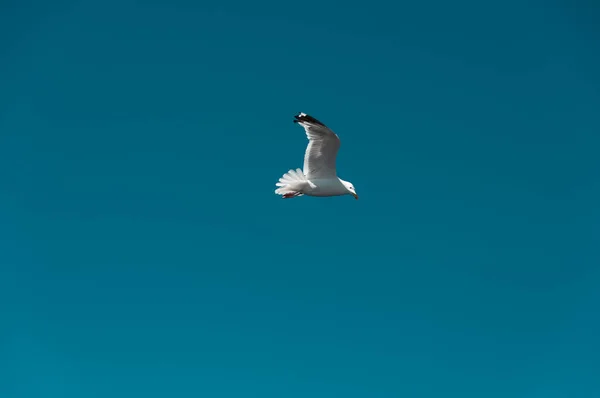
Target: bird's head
(350,188)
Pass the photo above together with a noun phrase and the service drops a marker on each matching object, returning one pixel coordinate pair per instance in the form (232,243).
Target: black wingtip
(303,117)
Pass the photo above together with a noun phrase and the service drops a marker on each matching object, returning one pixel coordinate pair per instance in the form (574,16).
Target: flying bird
(319,177)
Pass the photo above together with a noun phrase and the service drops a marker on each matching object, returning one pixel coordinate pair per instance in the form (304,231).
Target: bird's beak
(355,195)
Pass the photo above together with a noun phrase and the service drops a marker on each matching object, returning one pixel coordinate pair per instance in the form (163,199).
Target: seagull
(319,177)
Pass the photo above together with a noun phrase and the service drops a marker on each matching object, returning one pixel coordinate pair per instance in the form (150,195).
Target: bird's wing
(322,149)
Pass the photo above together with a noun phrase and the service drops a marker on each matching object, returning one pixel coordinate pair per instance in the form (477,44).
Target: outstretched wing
(322,149)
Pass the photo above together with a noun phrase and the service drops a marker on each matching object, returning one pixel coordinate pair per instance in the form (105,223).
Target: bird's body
(319,177)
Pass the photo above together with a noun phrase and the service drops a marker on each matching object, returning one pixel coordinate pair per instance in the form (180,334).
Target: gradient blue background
(144,253)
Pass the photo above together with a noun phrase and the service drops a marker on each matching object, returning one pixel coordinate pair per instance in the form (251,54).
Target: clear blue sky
(143,252)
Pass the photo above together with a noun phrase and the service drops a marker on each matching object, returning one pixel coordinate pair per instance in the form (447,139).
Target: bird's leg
(290,195)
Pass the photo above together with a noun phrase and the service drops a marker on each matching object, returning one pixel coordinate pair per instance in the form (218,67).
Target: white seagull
(319,177)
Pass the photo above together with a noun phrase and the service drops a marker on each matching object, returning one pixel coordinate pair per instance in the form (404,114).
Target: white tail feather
(292,181)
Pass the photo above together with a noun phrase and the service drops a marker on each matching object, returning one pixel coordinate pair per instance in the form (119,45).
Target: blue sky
(144,253)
